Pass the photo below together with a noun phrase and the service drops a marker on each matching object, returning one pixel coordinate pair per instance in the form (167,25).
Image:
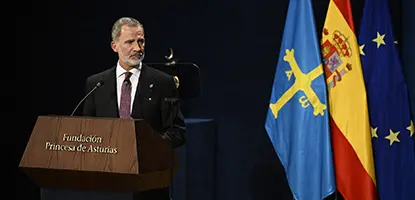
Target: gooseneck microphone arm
(99,84)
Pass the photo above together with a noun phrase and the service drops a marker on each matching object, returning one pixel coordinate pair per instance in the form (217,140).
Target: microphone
(170,100)
(99,84)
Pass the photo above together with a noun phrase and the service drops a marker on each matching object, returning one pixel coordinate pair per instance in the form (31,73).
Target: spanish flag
(349,116)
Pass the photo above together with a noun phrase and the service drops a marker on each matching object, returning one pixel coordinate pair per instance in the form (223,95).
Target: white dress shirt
(120,74)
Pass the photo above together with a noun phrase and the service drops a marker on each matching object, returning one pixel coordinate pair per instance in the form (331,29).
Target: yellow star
(392,137)
(379,40)
(374,132)
(361,49)
(411,128)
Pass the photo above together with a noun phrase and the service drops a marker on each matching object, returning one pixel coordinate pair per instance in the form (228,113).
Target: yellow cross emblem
(303,83)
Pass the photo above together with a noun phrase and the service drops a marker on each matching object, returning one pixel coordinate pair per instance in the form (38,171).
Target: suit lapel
(144,91)
(110,88)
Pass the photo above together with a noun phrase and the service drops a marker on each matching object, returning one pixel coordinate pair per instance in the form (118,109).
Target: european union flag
(392,127)
(297,122)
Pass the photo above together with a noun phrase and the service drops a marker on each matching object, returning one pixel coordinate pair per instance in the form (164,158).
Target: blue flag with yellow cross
(297,121)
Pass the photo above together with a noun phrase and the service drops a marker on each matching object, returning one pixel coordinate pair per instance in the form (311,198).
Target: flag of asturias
(390,119)
(349,117)
(297,122)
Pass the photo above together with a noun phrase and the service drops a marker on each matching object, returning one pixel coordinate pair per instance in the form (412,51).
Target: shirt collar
(120,71)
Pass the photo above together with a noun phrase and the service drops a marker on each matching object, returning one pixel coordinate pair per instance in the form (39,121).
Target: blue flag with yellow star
(297,121)
(390,119)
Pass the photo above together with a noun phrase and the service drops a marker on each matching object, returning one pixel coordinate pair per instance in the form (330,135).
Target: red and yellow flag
(349,120)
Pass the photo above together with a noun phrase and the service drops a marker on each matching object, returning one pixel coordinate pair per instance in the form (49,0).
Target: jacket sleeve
(172,118)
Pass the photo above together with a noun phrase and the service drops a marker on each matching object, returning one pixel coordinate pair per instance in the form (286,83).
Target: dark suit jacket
(150,104)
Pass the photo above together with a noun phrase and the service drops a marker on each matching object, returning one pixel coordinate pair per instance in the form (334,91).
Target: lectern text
(81,144)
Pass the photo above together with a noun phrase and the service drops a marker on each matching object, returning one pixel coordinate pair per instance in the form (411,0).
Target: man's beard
(132,62)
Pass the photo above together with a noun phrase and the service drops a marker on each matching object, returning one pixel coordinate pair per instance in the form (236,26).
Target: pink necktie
(125,102)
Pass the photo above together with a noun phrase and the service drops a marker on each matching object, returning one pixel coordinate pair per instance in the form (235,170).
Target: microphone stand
(189,74)
(173,114)
(99,84)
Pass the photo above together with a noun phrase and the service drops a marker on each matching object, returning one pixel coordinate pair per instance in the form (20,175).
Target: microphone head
(100,83)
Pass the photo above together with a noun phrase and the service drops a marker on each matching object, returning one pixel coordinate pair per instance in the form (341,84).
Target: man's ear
(114,46)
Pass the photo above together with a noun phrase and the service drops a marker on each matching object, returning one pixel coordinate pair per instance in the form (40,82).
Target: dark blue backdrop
(235,43)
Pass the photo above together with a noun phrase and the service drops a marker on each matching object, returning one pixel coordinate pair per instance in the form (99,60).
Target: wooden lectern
(109,155)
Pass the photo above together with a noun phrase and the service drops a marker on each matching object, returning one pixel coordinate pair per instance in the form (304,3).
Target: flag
(349,117)
(297,121)
(390,118)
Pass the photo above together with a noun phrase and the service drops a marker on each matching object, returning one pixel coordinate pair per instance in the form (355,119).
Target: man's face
(130,45)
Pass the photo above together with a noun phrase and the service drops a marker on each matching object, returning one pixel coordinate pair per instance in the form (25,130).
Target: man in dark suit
(131,89)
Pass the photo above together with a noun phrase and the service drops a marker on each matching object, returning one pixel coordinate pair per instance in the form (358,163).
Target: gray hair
(116,28)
